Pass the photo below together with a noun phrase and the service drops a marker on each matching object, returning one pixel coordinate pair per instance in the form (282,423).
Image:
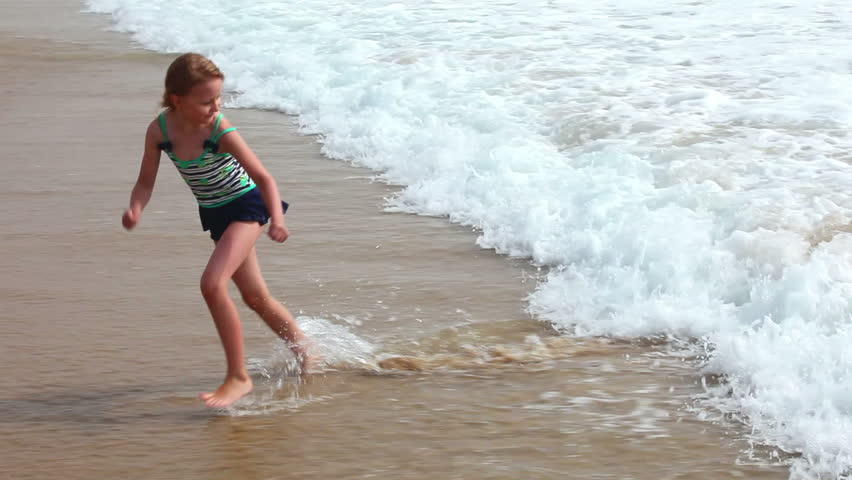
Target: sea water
(681,168)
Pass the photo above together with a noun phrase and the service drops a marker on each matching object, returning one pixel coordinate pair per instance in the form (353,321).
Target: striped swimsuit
(214,178)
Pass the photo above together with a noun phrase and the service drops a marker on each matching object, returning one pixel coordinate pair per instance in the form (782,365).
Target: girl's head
(193,87)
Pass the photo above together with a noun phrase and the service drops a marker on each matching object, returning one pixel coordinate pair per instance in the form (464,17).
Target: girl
(236,197)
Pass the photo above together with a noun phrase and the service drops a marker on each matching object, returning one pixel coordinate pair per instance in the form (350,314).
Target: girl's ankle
(238,376)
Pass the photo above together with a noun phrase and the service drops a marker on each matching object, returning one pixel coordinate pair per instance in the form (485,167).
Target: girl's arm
(147,175)
(233,143)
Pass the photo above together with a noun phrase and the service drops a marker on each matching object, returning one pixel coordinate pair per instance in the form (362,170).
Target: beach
(107,342)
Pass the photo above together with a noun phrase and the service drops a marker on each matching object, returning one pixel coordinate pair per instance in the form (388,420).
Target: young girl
(236,197)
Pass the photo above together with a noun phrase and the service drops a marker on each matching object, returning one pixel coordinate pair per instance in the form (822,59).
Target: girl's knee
(256,299)
(213,286)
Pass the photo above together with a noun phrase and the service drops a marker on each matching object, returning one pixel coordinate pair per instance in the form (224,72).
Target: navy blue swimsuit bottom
(247,208)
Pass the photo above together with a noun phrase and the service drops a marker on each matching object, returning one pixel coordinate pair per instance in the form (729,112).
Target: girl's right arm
(147,175)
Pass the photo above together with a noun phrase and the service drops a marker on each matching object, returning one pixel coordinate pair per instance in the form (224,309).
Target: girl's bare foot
(229,392)
(307,361)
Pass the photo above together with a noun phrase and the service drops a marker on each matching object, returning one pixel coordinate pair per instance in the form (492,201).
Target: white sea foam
(682,165)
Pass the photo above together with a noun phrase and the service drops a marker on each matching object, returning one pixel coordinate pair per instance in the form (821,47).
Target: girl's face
(203,102)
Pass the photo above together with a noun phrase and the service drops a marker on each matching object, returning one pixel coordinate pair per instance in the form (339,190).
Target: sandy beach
(106,340)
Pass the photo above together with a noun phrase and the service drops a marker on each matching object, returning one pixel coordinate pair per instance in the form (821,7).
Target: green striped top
(214,178)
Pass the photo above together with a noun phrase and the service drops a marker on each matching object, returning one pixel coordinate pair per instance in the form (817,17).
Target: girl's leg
(256,295)
(230,252)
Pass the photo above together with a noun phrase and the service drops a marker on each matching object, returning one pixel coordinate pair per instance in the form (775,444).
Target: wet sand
(106,340)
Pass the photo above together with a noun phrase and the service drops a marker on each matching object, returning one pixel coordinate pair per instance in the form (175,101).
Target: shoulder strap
(216,136)
(218,121)
(163,128)
(223,132)
(166,144)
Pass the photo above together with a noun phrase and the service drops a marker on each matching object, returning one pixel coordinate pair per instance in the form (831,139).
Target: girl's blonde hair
(187,71)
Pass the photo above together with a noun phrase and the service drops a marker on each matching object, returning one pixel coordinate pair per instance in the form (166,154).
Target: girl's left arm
(233,143)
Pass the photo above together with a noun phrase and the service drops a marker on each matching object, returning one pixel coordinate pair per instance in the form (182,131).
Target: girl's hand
(278,232)
(129,219)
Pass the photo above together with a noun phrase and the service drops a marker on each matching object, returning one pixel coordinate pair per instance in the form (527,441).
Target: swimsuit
(214,178)
(224,190)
